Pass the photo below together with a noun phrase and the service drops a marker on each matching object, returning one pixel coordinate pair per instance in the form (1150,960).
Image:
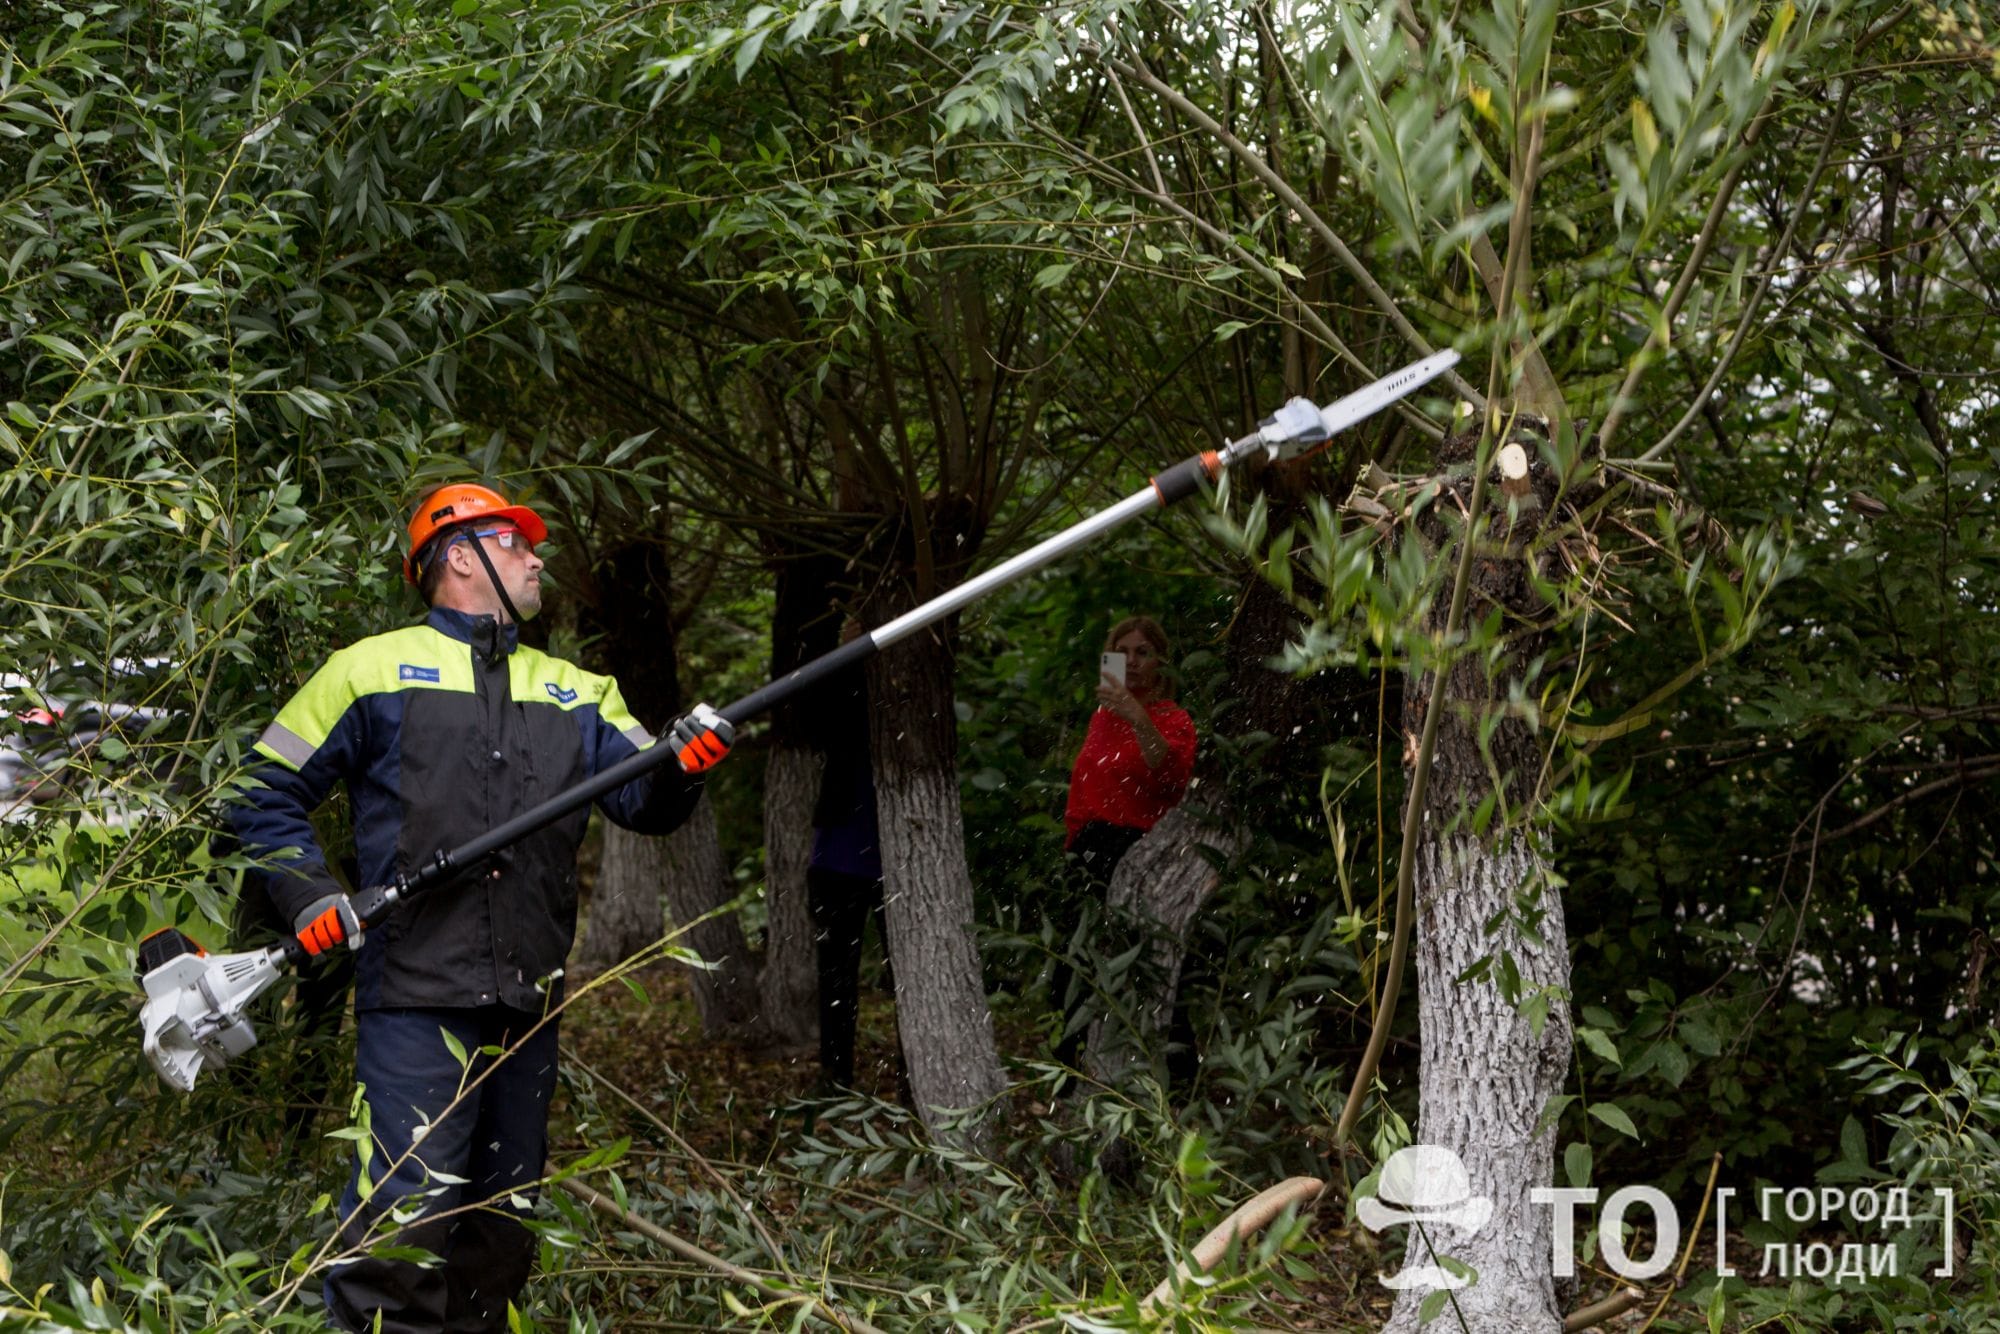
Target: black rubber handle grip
(1184,479)
(372,905)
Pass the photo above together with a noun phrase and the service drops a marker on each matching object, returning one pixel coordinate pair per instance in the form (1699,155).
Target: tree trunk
(1167,877)
(805,623)
(631,617)
(725,991)
(1487,1076)
(790,982)
(1161,883)
(625,914)
(940,995)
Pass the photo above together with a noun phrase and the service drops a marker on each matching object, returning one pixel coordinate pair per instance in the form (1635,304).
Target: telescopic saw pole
(1294,431)
(196,1010)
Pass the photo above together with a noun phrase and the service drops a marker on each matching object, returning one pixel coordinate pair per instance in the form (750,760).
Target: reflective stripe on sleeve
(638,736)
(287,745)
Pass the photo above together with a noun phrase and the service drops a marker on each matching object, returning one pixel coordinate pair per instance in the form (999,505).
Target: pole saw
(195,1015)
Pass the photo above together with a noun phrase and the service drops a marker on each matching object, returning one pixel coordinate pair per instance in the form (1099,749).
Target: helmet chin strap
(479,550)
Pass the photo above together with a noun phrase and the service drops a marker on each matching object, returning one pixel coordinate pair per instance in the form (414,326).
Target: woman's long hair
(1146,626)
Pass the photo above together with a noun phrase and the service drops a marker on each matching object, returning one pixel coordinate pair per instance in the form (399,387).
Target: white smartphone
(1113,666)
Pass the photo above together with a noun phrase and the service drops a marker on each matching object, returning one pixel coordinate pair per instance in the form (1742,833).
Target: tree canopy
(793,314)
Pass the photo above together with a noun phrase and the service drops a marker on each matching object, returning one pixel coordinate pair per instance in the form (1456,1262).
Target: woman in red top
(1133,769)
(1137,756)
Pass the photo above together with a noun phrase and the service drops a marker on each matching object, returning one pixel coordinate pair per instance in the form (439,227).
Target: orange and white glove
(326,922)
(700,738)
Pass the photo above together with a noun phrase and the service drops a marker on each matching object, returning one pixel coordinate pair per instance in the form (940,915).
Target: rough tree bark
(632,616)
(1162,883)
(725,992)
(790,984)
(940,995)
(1486,1074)
(805,623)
(625,913)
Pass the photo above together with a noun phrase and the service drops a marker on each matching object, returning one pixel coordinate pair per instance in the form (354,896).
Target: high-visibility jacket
(442,731)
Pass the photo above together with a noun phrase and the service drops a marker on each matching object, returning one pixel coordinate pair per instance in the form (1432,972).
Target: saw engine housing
(194,1015)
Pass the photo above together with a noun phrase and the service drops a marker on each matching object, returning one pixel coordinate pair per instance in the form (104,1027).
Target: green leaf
(1853,1143)
(455,1047)
(746,54)
(1645,132)
(1611,1114)
(1673,1061)
(1577,1162)
(1599,1043)
(1699,1037)
(1050,275)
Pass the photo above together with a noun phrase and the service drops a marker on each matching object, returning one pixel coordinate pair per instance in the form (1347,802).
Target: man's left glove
(326,922)
(700,738)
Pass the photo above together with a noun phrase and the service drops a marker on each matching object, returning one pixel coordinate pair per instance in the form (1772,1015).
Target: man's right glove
(700,738)
(326,922)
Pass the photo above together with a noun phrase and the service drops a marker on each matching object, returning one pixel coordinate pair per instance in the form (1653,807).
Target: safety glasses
(508,538)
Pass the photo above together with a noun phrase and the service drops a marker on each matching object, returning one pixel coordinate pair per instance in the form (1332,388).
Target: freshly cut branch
(1246,1221)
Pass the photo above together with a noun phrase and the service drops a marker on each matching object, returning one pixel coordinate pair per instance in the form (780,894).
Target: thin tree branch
(687,1250)
(1778,254)
(1685,284)
(1145,144)
(1277,184)
(1971,773)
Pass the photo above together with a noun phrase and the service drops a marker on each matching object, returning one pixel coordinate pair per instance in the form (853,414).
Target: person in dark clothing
(844,874)
(844,886)
(1133,768)
(441,731)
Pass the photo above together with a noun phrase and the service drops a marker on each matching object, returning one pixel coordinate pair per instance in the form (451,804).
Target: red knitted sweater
(1111,781)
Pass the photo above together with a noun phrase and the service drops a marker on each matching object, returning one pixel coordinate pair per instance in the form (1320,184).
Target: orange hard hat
(460,502)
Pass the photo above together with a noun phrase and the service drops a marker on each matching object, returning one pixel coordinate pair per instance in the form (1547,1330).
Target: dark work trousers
(841,906)
(495,1140)
(1088,864)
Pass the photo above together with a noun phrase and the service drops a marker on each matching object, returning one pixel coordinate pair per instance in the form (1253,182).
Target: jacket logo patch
(405,672)
(557,693)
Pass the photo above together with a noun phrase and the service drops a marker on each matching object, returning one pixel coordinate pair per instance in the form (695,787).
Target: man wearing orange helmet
(441,731)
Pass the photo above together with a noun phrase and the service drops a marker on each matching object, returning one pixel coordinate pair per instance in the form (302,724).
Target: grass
(77,880)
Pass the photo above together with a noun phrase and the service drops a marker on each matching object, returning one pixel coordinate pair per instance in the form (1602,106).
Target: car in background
(51,749)
(15,766)
(15,771)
